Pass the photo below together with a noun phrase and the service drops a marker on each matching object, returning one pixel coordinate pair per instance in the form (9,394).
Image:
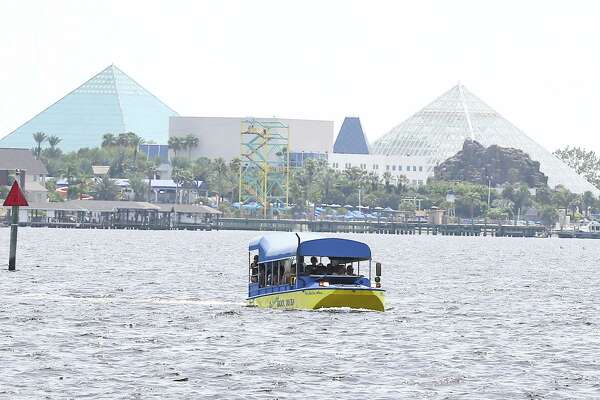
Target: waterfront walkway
(397,228)
(289,225)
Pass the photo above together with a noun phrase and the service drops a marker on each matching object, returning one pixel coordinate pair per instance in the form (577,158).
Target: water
(155,315)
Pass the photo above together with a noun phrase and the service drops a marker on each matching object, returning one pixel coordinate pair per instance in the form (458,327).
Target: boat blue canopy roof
(278,246)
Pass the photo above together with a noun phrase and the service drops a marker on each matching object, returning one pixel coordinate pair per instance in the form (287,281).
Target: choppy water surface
(132,314)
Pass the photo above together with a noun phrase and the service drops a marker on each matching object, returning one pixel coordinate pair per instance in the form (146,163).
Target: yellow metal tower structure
(265,163)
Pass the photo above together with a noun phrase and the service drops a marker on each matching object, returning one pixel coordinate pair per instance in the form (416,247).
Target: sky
(536,62)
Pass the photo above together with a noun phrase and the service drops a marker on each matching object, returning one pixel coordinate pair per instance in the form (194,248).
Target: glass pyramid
(110,102)
(351,139)
(438,131)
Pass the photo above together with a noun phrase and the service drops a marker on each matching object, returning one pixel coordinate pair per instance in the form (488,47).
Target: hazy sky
(535,62)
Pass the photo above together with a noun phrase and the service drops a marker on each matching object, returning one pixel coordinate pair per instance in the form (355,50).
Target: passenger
(261,276)
(349,270)
(312,268)
(340,269)
(254,270)
(281,275)
(320,269)
(329,270)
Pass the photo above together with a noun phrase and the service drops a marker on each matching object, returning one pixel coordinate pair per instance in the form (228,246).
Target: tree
(53,151)
(190,142)
(584,162)
(134,142)
(471,198)
(520,197)
(151,170)
(105,189)
(175,144)
(220,179)
(109,140)
(182,178)
(124,140)
(53,141)
(587,201)
(387,178)
(39,138)
(549,215)
(139,187)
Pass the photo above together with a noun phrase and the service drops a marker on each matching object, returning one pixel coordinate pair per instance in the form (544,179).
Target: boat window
(331,266)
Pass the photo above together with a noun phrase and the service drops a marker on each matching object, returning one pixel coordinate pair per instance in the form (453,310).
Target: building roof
(111,205)
(188,208)
(439,130)
(34,186)
(56,206)
(110,102)
(11,159)
(351,139)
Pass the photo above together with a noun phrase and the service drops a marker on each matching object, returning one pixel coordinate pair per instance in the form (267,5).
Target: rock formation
(502,165)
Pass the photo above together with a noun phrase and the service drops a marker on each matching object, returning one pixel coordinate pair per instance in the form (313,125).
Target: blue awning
(284,245)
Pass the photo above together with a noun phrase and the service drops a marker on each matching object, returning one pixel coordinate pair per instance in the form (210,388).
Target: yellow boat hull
(312,299)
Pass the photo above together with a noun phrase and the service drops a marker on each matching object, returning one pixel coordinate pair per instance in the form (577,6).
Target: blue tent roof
(351,139)
(283,245)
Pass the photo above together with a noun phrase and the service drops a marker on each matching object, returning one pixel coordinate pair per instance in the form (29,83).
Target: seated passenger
(340,269)
(281,275)
(312,267)
(320,269)
(329,269)
(349,270)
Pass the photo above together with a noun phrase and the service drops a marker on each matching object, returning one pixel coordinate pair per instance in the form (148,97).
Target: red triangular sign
(15,197)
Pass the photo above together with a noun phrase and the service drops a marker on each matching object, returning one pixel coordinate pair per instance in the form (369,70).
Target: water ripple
(155,315)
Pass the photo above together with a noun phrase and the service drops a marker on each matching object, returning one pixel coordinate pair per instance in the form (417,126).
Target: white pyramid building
(438,131)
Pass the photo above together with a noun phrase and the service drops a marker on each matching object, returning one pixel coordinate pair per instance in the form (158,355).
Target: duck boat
(308,271)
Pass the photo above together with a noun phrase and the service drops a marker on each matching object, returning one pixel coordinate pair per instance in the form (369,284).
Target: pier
(395,228)
(90,214)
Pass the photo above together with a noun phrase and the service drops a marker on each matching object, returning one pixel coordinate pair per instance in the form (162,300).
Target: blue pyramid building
(351,139)
(110,102)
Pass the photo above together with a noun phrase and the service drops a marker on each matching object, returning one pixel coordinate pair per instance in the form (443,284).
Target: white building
(221,136)
(412,168)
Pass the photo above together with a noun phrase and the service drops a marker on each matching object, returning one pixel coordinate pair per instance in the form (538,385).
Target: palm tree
(53,151)
(108,140)
(191,141)
(387,177)
(181,177)
(220,170)
(175,144)
(53,141)
(106,189)
(124,140)
(39,138)
(471,197)
(135,141)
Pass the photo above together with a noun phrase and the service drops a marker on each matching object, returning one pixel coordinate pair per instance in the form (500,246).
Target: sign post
(15,199)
